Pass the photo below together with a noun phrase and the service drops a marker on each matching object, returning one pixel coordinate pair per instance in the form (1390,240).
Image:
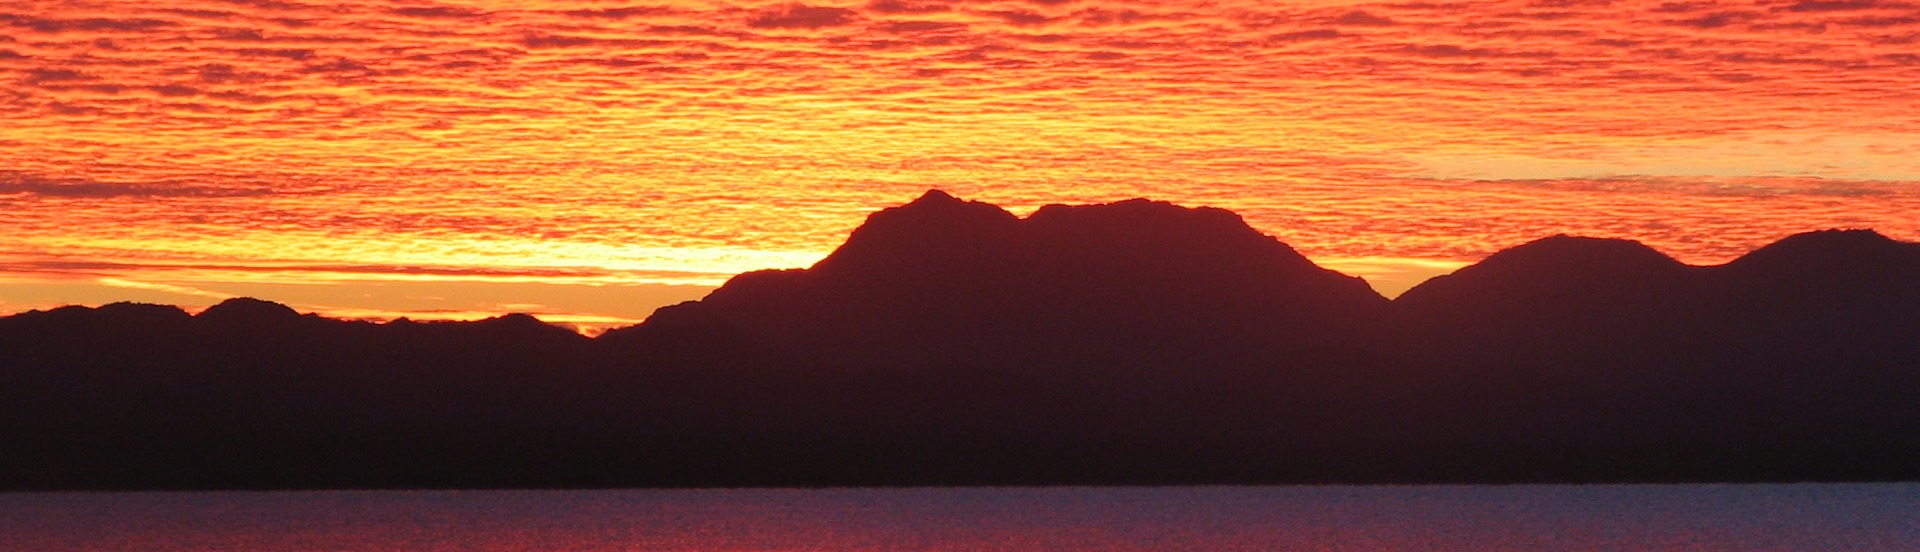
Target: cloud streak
(30,185)
(710,138)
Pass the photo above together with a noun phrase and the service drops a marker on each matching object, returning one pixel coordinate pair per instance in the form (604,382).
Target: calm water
(1682,517)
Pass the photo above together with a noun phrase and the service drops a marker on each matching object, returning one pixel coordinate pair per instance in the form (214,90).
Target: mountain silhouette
(1785,361)
(1135,329)
(940,277)
(951,342)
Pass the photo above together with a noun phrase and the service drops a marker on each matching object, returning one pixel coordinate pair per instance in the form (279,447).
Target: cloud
(233,271)
(897,7)
(1454,51)
(239,35)
(1714,20)
(802,16)
(439,12)
(1841,5)
(48,75)
(57,25)
(164,288)
(1359,18)
(619,13)
(911,27)
(176,90)
(32,185)
(719,137)
(287,53)
(1310,34)
(1099,17)
(1024,18)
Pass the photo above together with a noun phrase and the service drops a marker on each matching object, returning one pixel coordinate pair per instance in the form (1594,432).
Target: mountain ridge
(949,342)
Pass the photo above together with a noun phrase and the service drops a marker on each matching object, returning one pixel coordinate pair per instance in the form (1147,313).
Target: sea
(1796,517)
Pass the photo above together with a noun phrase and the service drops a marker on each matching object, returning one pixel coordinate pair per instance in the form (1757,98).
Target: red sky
(591,160)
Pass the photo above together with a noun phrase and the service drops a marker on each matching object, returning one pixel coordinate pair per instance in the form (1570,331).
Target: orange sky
(591,160)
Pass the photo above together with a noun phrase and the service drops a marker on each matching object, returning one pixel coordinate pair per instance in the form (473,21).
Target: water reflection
(1684,517)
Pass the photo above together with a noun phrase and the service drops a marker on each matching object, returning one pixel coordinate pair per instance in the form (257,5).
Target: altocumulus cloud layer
(676,142)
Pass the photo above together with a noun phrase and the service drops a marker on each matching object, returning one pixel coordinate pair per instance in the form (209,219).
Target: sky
(588,161)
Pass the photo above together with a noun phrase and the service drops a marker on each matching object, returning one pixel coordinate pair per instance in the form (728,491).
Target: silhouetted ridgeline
(949,342)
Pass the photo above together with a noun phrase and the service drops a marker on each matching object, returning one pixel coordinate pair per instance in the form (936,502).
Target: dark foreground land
(951,343)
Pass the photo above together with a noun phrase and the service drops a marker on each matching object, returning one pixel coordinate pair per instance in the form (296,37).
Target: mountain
(250,394)
(1789,360)
(951,342)
(1074,336)
(940,277)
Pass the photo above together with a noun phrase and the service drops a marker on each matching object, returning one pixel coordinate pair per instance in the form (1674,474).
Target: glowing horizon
(591,160)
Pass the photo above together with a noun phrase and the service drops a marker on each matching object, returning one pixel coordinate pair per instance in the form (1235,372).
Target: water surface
(1601,517)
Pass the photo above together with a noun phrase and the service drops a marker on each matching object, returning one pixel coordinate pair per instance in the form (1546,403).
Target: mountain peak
(1137,216)
(936,196)
(1560,265)
(937,205)
(516,320)
(145,311)
(525,324)
(1828,250)
(1564,252)
(942,276)
(1849,234)
(933,226)
(247,309)
(1830,240)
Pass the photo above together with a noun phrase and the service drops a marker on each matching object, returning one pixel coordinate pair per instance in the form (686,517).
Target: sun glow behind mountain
(589,160)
